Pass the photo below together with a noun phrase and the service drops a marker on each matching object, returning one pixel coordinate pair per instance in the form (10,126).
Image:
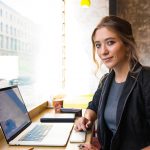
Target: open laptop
(18,128)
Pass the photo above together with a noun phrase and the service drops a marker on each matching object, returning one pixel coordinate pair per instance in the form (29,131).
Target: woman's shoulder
(145,74)
(146,70)
(103,78)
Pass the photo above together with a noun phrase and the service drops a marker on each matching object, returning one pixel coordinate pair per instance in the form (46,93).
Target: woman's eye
(97,45)
(109,43)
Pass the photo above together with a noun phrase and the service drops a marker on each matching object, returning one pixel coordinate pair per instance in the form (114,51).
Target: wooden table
(70,146)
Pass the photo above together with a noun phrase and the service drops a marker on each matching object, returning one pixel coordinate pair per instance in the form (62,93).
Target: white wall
(79,25)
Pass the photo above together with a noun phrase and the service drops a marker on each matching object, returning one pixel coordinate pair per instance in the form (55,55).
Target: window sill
(37,110)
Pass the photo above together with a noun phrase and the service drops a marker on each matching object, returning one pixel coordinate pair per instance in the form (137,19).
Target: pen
(81,146)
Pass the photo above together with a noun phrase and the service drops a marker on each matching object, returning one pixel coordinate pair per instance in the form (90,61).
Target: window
(1,12)
(52,42)
(31,36)
(6,28)
(7,42)
(1,27)
(1,41)
(11,30)
(11,44)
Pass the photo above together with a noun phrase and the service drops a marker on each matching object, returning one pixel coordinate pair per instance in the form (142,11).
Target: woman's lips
(107,59)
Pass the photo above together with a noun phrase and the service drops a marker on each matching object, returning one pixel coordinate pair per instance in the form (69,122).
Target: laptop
(18,128)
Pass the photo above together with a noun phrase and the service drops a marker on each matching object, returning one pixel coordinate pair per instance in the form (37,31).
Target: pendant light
(85,3)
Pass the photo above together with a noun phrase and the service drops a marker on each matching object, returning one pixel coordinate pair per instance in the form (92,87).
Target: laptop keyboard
(37,133)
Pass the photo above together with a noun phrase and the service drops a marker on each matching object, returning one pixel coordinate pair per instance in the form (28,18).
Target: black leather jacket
(133,112)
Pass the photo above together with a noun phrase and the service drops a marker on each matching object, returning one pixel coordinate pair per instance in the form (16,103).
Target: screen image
(13,113)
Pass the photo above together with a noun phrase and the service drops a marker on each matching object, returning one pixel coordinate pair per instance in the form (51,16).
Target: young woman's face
(110,48)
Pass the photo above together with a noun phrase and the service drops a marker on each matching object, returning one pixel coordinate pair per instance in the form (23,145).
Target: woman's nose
(104,50)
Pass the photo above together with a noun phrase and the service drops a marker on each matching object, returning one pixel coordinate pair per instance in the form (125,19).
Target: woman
(121,103)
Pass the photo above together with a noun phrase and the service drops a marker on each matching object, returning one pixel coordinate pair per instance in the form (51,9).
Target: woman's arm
(90,115)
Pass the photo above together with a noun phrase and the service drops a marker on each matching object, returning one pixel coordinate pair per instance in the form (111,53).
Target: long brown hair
(124,31)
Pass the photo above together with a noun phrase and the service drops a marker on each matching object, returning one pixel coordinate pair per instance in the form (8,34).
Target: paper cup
(57,104)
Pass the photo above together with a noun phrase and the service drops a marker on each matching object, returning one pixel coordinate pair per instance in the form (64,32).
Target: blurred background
(45,46)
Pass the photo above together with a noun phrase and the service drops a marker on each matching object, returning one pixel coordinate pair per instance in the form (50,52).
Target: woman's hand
(82,124)
(146,148)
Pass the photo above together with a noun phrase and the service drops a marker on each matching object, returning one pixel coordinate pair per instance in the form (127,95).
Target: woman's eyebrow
(96,42)
(110,38)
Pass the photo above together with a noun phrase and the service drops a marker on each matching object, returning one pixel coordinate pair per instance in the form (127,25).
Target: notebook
(18,128)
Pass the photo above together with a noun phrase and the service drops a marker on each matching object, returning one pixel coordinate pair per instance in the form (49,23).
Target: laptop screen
(13,113)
